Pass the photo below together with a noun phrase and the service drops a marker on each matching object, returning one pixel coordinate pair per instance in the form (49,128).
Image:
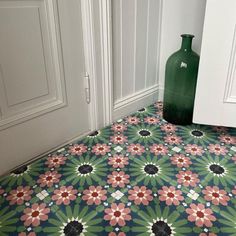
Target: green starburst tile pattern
(139,176)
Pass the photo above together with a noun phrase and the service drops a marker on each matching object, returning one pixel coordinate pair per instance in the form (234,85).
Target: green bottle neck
(186,42)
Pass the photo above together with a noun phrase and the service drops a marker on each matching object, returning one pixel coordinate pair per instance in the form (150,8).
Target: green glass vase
(180,83)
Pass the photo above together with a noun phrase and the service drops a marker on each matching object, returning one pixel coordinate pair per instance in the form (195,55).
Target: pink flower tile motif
(158,149)
(101,149)
(219,129)
(170,195)
(117,214)
(151,120)
(209,234)
(200,215)
(49,178)
(187,178)
(55,161)
(118,139)
(77,149)
(173,139)
(227,139)
(20,195)
(169,128)
(217,149)
(140,195)
(118,127)
(118,161)
(215,195)
(64,195)
(119,179)
(159,105)
(180,160)
(133,120)
(24,234)
(194,149)
(136,149)
(94,195)
(115,234)
(35,214)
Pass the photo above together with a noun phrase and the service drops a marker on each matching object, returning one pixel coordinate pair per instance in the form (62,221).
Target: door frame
(105,78)
(105,44)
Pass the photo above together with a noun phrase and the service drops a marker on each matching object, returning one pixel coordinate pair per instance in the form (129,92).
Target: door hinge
(87,87)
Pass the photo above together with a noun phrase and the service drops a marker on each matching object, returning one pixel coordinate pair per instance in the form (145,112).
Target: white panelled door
(41,78)
(215,101)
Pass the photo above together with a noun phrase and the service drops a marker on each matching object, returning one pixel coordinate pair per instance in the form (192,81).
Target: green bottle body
(180,84)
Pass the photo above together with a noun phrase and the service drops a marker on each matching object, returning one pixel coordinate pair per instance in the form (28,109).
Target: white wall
(178,17)
(145,34)
(136,36)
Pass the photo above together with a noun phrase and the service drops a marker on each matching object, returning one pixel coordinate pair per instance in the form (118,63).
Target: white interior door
(41,78)
(215,101)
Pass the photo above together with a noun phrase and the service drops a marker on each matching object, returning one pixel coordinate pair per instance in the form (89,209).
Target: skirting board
(132,103)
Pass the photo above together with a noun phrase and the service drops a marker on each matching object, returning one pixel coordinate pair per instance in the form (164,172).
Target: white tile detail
(61,150)
(118,148)
(117,195)
(233,148)
(45,193)
(42,194)
(176,149)
(193,195)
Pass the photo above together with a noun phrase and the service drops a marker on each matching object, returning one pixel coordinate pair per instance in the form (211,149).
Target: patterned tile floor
(139,176)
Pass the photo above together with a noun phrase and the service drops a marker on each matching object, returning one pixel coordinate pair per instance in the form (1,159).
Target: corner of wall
(132,103)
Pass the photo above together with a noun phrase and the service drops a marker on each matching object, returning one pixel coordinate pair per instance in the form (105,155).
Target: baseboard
(132,103)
